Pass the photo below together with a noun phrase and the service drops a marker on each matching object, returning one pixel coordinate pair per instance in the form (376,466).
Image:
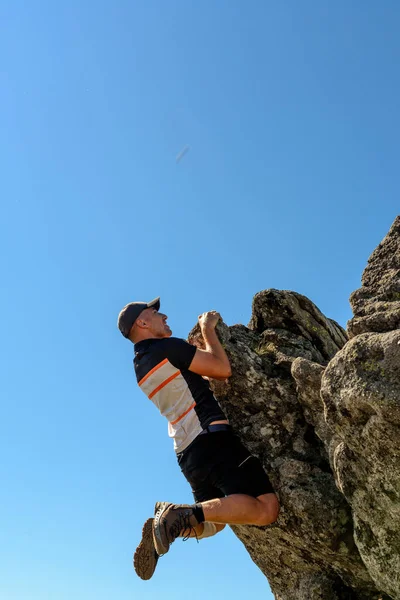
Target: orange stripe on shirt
(183,414)
(153,370)
(163,384)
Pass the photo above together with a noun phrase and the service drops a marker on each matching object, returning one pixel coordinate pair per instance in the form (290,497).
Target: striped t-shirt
(183,397)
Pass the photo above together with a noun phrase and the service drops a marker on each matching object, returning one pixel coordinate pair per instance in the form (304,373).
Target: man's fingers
(212,313)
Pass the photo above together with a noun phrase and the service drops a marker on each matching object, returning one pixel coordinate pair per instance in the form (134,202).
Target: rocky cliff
(322,412)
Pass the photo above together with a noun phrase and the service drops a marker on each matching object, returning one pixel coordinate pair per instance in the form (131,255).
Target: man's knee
(269,509)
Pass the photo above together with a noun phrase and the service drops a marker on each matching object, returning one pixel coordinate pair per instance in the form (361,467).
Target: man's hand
(211,361)
(209,320)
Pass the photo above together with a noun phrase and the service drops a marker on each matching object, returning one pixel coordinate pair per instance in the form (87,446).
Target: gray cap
(130,313)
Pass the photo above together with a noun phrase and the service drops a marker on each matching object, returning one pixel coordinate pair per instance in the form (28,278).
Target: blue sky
(290,110)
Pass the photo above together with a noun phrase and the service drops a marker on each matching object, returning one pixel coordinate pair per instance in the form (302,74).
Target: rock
(323,415)
(376,305)
(288,317)
(361,391)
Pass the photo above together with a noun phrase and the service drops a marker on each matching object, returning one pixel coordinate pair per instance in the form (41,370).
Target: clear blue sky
(291,112)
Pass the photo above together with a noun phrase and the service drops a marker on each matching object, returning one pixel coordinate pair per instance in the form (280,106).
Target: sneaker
(145,558)
(170,521)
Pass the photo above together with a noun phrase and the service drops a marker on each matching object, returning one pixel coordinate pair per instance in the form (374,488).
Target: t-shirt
(184,398)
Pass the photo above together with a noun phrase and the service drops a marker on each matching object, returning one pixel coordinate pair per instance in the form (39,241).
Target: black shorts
(217,465)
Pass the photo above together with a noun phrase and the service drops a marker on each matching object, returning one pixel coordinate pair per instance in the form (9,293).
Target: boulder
(322,413)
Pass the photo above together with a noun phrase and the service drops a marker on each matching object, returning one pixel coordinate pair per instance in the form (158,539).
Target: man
(229,485)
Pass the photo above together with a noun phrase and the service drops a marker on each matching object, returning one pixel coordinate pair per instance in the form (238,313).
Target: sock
(198,512)
(209,530)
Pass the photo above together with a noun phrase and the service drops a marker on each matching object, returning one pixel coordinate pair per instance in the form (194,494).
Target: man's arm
(213,361)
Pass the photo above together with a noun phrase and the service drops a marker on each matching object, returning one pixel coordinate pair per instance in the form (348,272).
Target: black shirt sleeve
(179,353)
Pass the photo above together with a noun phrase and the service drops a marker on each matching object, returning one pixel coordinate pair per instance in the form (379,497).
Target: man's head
(142,320)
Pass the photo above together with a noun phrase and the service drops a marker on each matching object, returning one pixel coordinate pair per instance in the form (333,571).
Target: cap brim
(154,304)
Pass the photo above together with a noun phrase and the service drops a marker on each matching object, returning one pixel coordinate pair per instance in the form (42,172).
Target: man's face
(156,322)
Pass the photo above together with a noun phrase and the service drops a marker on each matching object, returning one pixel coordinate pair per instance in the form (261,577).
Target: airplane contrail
(182,153)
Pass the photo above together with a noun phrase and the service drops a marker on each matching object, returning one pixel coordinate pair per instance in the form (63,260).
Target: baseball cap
(130,313)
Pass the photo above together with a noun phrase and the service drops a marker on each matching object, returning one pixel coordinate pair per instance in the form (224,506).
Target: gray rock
(376,305)
(323,415)
(361,392)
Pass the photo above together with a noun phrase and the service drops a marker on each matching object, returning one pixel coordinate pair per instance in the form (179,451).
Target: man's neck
(149,337)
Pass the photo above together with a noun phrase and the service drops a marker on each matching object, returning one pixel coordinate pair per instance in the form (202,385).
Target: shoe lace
(182,526)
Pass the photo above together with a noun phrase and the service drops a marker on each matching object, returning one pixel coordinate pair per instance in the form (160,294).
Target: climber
(229,485)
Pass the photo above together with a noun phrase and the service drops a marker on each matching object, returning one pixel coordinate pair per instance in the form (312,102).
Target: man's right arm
(213,361)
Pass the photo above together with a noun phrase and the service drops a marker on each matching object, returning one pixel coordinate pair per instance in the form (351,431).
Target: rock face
(323,415)
(376,305)
(361,392)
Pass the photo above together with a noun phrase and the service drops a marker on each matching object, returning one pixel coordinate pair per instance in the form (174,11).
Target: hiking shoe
(170,521)
(145,558)
(159,506)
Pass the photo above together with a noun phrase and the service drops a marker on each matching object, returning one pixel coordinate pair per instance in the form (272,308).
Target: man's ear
(141,323)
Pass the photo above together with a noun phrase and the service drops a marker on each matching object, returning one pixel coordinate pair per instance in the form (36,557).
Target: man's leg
(184,520)
(237,509)
(221,468)
(240,509)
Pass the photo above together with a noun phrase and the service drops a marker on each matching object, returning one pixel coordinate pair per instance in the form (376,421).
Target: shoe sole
(145,558)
